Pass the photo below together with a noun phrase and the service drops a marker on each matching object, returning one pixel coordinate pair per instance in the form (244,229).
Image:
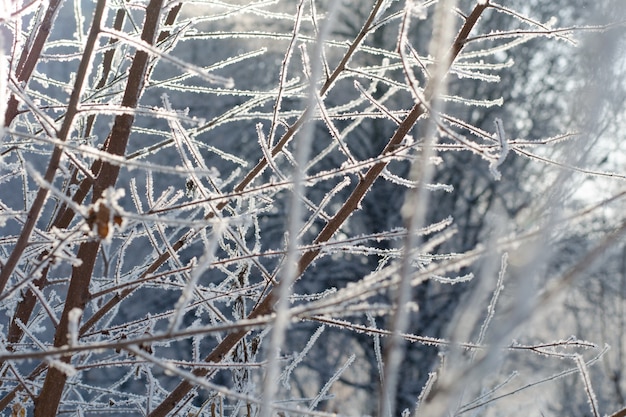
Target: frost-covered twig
(503,151)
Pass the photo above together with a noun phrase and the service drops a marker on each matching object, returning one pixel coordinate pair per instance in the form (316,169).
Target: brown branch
(247,180)
(78,292)
(286,138)
(350,205)
(53,164)
(169,21)
(30,56)
(66,214)
(107,63)
(620,413)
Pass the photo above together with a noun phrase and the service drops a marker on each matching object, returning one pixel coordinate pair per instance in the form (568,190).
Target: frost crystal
(504,150)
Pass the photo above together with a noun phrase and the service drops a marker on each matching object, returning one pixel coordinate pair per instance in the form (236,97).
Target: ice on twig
(503,151)
(72,328)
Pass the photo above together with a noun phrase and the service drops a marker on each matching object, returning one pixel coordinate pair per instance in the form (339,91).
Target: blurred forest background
(483,272)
